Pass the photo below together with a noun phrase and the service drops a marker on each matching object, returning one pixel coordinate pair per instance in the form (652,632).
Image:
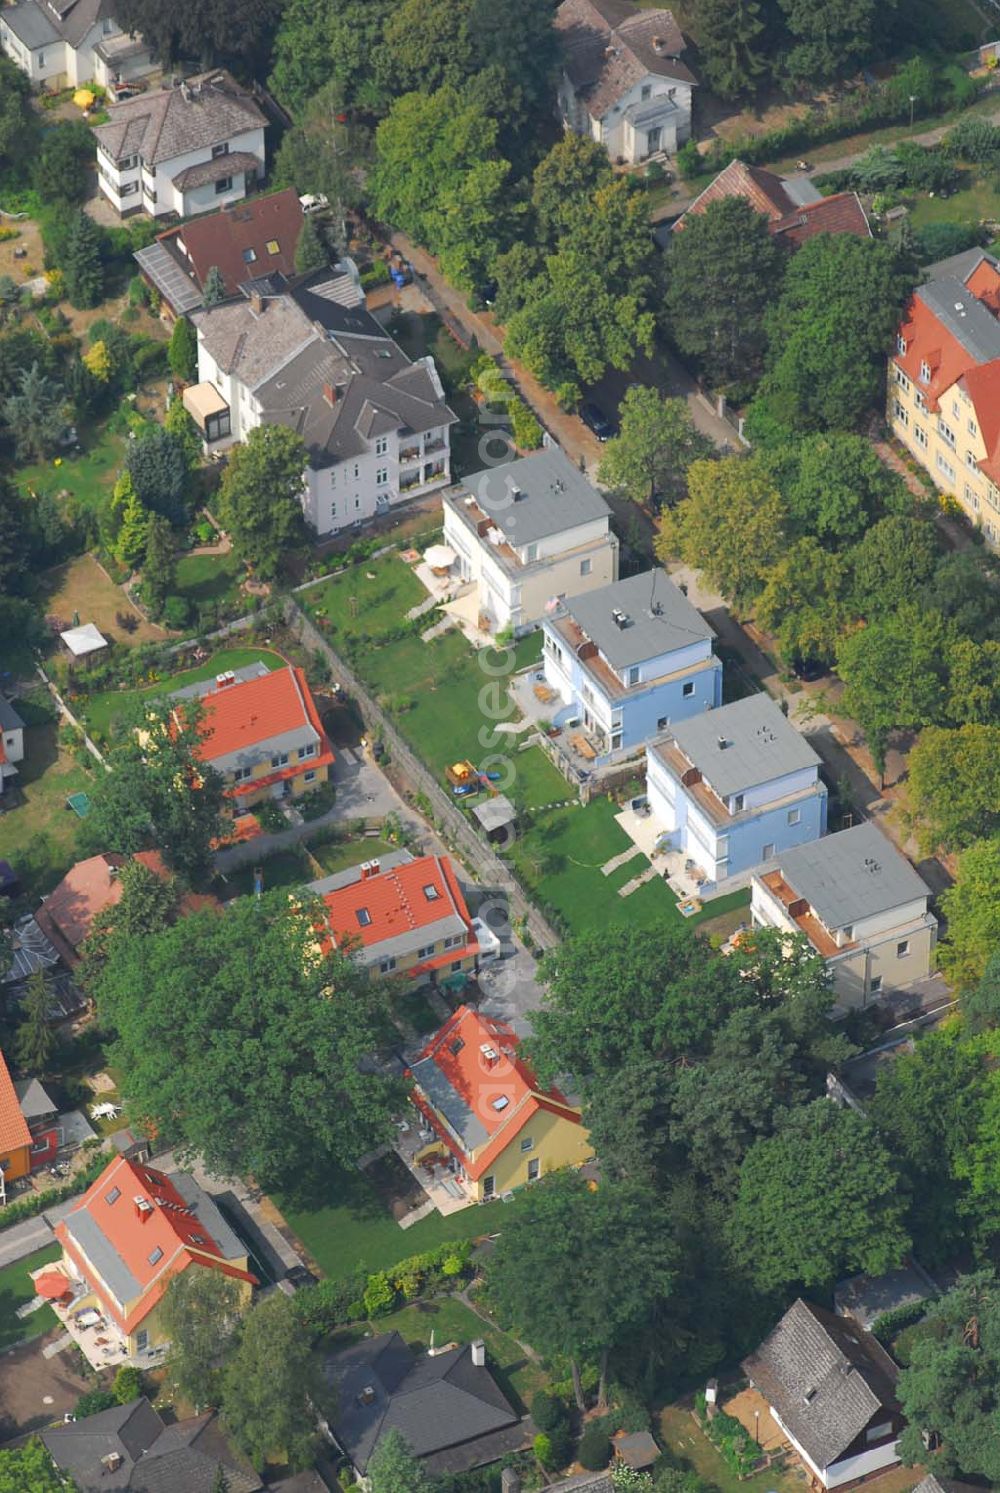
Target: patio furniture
(543,694)
(582,747)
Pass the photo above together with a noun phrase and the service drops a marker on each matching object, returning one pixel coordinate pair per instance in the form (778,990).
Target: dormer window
(901,344)
(925,371)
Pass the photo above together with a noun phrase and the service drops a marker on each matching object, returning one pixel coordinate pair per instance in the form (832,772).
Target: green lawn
(284,869)
(365,602)
(88,478)
(202,578)
(978,200)
(38,834)
(451,1321)
(15,1290)
(337,855)
(560,859)
(357,1228)
(687,1442)
(103,708)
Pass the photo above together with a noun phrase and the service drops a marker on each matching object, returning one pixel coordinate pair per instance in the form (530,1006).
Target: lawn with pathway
(102,709)
(83,588)
(16,1289)
(366,601)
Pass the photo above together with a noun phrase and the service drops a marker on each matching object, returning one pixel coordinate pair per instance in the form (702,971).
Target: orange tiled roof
(397,902)
(14,1132)
(456,1051)
(254,711)
(164,1224)
(928,341)
(67,915)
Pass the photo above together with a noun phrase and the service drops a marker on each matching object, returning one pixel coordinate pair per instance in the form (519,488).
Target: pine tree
(729,37)
(159,567)
(310,251)
(182,354)
(82,267)
(130,546)
(214,289)
(35,1042)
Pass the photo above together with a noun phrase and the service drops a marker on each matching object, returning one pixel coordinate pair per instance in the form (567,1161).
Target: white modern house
(187,149)
(624,82)
(11,742)
(860,904)
(735,786)
(63,43)
(528,533)
(628,661)
(304,352)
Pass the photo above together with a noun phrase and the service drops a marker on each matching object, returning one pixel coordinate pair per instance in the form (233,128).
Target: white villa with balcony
(528,534)
(304,352)
(860,904)
(732,787)
(63,43)
(187,149)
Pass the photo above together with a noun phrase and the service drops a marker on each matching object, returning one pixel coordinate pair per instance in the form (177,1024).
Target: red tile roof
(396,902)
(164,1223)
(14,1132)
(251,711)
(222,238)
(841,213)
(479,1080)
(67,914)
(767,193)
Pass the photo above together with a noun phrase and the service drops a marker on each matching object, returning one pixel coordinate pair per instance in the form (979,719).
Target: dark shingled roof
(182,1458)
(39,23)
(167,123)
(825,1376)
(231,164)
(437,1404)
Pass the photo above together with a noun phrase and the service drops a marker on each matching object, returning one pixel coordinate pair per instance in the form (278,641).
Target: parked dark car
(809,669)
(596,420)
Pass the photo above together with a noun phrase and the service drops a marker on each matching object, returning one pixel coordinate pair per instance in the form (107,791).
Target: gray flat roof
(351,874)
(851,875)
(203,687)
(760,744)
(554,496)
(659,616)
(88,1235)
(959,265)
(976,328)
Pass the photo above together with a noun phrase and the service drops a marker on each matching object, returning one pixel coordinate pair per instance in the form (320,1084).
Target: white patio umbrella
(439,557)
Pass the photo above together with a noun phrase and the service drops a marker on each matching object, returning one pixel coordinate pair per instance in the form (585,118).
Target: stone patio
(644,830)
(100,1340)
(445,1190)
(752,1411)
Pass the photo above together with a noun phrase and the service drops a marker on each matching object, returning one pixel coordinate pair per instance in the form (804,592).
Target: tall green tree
(829,331)
(819,1199)
(310,251)
(954,785)
(269,1386)
(203,29)
(803,602)
(972,910)
(159,566)
(951,1384)
(29,1468)
(35,1041)
(82,264)
(732,44)
(182,352)
(200,1313)
(656,444)
(723,272)
(260,497)
(214,289)
(564,183)
(244,1044)
(157,463)
(438,177)
(895,674)
(893,563)
(835,486)
(60,171)
(830,38)
(557,1271)
(394,1469)
(159,793)
(36,414)
(731,527)
(18,121)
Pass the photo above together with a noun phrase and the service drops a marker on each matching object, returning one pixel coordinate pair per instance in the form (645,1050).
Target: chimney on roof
(256,303)
(143,1208)
(370,869)
(330,394)
(112,1461)
(479,1354)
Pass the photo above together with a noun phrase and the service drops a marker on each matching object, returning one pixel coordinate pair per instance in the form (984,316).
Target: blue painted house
(628,661)
(735,787)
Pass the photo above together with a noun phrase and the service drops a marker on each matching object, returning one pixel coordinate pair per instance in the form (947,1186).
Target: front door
(653,139)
